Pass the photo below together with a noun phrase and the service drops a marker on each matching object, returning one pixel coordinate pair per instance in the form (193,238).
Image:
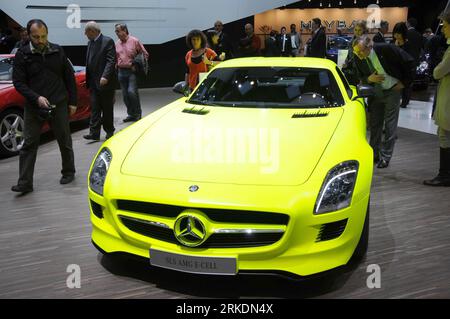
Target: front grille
(331,231)
(217,215)
(241,240)
(218,240)
(97,209)
(144,228)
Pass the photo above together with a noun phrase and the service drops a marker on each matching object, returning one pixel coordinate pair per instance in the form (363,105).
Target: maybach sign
(330,25)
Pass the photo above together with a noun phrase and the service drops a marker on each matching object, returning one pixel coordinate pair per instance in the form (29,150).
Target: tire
(363,244)
(11,132)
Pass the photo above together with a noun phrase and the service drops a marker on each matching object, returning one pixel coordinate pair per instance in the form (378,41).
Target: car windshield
(269,87)
(6,65)
(339,43)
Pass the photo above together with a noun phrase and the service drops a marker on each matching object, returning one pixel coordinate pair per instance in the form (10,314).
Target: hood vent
(195,111)
(309,114)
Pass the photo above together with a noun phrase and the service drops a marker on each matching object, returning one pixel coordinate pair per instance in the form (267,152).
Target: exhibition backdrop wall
(331,18)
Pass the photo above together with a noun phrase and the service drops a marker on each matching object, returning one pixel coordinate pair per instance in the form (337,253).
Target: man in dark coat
(384,28)
(317,45)
(101,80)
(271,45)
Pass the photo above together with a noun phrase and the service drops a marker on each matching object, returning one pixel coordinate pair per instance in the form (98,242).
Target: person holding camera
(44,76)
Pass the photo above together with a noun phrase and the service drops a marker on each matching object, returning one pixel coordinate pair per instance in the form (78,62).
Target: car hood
(245,146)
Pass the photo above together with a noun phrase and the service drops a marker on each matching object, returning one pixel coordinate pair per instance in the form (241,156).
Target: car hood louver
(309,114)
(196,111)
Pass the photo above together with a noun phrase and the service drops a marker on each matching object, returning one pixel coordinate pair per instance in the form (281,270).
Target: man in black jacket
(415,49)
(389,69)
(45,77)
(384,28)
(415,39)
(101,80)
(317,45)
(224,40)
(271,48)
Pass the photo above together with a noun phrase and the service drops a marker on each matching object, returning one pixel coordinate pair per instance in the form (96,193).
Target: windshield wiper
(196,102)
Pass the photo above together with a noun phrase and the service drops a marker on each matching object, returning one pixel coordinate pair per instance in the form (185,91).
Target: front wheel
(363,243)
(11,132)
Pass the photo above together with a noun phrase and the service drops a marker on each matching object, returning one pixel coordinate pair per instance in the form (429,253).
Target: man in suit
(284,43)
(100,79)
(317,45)
(224,40)
(415,49)
(296,41)
(271,47)
(389,69)
(384,28)
(415,39)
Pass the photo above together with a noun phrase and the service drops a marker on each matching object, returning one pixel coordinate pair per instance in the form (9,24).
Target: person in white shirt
(296,41)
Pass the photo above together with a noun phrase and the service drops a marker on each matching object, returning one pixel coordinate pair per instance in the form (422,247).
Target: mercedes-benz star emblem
(189,231)
(193,188)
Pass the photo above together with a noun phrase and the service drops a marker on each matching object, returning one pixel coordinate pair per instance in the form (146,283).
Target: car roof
(279,62)
(3,56)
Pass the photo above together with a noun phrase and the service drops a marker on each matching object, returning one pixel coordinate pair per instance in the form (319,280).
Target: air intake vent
(193,110)
(97,209)
(217,215)
(144,228)
(331,231)
(308,114)
(241,240)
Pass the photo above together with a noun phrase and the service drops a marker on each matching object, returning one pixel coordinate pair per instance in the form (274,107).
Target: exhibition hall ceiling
(153,22)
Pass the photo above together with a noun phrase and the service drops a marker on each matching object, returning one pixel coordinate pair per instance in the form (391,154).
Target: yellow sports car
(265,167)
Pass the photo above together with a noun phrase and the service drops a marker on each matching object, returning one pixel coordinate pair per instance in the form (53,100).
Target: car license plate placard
(193,264)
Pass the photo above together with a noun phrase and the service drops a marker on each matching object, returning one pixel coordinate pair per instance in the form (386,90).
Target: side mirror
(180,88)
(364,91)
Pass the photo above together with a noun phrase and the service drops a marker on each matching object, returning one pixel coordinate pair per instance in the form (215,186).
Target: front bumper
(297,252)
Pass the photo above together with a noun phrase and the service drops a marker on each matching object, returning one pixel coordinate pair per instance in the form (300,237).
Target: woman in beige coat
(442,113)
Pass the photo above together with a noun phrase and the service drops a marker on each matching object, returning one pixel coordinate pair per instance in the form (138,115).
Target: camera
(46,114)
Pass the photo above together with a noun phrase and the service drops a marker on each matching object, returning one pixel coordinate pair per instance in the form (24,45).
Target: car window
(6,65)
(269,87)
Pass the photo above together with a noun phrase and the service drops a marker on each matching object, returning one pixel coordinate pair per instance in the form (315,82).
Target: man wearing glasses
(389,69)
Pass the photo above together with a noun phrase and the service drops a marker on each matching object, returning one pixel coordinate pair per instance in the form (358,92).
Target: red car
(12,104)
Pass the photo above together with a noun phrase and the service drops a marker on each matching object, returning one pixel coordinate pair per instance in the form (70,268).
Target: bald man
(100,79)
(250,45)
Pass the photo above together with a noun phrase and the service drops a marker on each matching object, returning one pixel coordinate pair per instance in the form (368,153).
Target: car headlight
(337,189)
(99,171)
